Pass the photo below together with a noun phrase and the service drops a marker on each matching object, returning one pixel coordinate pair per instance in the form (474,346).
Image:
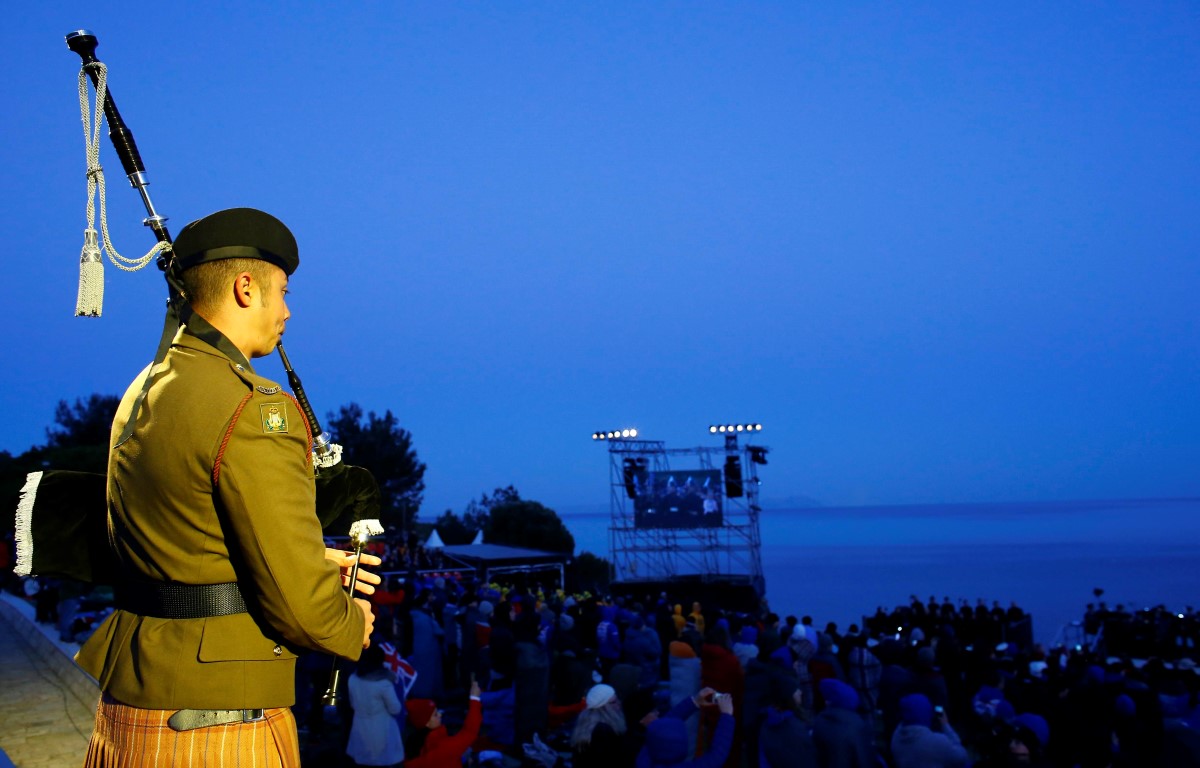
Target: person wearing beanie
(427,642)
(824,663)
(720,670)
(924,738)
(928,679)
(842,738)
(803,649)
(608,638)
(863,672)
(784,740)
(643,649)
(667,737)
(601,736)
(482,632)
(441,750)
(684,675)
(678,619)
(746,648)
(1031,736)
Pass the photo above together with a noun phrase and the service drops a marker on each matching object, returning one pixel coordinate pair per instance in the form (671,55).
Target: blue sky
(942,251)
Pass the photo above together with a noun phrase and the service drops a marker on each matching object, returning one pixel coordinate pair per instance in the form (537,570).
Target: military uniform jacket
(214,485)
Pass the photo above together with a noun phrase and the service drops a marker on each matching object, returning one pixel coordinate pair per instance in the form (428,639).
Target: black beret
(237,233)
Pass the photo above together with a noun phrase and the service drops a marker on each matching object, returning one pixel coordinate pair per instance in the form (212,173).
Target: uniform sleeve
(264,484)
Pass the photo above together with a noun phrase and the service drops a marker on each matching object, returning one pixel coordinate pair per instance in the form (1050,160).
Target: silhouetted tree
(520,523)
(589,572)
(380,445)
(78,440)
(85,423)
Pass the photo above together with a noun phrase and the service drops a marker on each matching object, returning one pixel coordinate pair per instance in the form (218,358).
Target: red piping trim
(307,428)
(228,434)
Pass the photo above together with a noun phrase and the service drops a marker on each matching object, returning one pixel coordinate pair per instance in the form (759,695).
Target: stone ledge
(82,686)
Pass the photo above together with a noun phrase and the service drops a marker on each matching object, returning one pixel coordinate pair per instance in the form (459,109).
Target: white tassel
(90,301)
(24,524)
(330,459)
(362,530)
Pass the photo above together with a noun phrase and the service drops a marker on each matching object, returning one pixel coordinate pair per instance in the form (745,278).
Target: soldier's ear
(243,289)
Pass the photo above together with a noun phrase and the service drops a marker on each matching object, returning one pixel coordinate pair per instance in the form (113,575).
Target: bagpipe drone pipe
(61,521)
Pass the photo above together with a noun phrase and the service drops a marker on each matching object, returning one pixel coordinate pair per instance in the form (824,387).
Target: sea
(840,563)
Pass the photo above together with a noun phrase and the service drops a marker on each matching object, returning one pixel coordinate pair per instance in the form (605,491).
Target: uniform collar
(197,327)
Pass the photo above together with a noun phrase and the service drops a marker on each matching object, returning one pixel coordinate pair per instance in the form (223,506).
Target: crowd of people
(581,680)
(530,675)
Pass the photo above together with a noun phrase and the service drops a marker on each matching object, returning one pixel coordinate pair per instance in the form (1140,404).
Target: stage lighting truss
(715,429)
(615,434)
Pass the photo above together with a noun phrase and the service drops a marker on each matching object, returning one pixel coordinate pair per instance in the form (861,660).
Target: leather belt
(190,719)
(173,600)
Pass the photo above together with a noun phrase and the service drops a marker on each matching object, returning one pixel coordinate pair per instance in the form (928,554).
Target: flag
(403,673)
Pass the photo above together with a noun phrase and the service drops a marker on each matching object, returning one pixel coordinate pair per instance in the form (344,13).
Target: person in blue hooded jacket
(666,737)
(608,639)
(842,737)
(784,740)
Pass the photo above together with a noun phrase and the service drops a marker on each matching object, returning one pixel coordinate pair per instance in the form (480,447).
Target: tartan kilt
(132,737)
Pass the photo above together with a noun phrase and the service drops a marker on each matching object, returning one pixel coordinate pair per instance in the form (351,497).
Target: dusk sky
(944,252)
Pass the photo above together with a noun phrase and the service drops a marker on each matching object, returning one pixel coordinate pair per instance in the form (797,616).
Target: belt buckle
(253,715)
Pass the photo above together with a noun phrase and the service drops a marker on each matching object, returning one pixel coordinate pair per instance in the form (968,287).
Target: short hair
(205,285)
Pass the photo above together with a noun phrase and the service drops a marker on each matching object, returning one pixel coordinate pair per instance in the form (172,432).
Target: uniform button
(278,651)
(239,367)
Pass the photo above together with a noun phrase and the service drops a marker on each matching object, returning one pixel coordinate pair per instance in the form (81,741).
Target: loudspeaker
(631,468)
(733,477)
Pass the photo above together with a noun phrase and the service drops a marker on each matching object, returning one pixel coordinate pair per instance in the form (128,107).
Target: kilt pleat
(131,737)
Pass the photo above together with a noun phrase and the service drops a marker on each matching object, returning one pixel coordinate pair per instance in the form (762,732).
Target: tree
(522,523)
(78,441)
(589,572)
(86,423)
(454,529)
(380,445)
(506,518)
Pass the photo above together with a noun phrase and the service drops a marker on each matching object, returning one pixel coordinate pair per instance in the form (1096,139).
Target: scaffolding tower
(729,552)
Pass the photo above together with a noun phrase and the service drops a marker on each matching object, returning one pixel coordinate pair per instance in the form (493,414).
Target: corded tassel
(24,524)
(90,301)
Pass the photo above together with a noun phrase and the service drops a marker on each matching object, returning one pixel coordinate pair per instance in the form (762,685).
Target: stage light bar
(724,428)
(615,434)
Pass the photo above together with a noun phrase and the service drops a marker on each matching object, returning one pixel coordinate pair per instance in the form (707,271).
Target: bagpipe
(61,522)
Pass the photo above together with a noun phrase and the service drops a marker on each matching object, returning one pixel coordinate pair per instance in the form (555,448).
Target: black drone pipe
(84,43)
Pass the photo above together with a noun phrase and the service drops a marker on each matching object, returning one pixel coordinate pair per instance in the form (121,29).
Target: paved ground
(48,704)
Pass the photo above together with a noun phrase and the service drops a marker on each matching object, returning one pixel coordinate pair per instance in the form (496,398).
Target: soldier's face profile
(273,313)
